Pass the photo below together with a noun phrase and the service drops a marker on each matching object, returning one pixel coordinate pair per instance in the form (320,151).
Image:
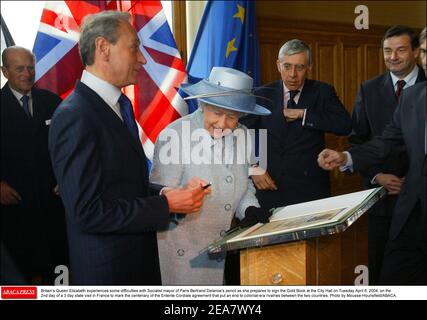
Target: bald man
(32,217)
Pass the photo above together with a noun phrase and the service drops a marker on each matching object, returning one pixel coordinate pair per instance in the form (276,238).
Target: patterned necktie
(291,102)
(126,111)
(25,105)
(400,85)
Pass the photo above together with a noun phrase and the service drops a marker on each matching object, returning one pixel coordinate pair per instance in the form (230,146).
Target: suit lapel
(388,96)
(421,75)
(294,129)
(14,106)
(39,115)
(278,123)
(110,118)
(307,97)
(419,115)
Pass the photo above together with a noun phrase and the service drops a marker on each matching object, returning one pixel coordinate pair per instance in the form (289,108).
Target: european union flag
(227,37)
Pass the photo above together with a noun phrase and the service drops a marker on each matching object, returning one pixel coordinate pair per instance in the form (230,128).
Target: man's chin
(398,70)
(292,86)
(395,67)
(25,89)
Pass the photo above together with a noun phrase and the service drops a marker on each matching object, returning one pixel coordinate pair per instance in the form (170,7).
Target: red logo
(19,292)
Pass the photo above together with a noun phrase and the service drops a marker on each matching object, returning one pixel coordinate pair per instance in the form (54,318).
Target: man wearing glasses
(302,111)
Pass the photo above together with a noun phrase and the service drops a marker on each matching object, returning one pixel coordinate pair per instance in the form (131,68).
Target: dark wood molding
(180,28)
(265,24)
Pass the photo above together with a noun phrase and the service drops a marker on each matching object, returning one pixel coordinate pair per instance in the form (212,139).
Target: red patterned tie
(400,85)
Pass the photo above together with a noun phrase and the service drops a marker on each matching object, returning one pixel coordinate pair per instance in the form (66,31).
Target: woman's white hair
(203,104)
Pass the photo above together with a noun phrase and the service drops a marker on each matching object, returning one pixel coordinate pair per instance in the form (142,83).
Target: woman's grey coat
(182,249)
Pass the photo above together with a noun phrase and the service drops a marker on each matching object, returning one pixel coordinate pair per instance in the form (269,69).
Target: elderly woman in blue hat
(204,144)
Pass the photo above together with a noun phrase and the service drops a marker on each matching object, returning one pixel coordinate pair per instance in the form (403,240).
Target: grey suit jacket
(407,127)
(182,249)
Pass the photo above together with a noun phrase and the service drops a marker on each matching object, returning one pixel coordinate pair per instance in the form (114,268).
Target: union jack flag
(155,98)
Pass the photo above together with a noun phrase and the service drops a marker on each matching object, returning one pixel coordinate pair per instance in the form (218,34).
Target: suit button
(305,173)
(229,179)
(180,252)
(227,207)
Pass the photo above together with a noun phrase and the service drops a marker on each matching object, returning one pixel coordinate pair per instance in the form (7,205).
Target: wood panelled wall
(343,57)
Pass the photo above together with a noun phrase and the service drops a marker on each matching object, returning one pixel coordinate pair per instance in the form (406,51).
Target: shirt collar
(109,93)
(286,90)
(17,94)
(410,79)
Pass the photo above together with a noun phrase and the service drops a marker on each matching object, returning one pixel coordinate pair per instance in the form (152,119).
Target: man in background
(375,104)
(303,110)
(405,257)
(32,216)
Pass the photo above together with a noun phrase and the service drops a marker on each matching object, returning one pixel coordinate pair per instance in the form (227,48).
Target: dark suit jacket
(292,149)
(373,110)
(102,174)
(408,128)
(30,229)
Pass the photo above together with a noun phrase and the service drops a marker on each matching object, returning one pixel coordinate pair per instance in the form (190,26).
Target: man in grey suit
(101,167)
(405,258)
(373,109)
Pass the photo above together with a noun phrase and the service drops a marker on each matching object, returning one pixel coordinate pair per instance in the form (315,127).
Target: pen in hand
(207,186)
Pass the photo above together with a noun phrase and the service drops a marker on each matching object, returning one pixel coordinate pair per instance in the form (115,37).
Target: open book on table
(303,220)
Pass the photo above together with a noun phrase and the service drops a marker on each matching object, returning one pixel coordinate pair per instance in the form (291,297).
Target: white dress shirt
(410,79)
(286,97)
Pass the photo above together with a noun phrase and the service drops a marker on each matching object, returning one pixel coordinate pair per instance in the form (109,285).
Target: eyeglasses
(290,66)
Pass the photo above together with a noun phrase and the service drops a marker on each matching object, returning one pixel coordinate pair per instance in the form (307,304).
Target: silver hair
(295,46)
(9,50)
(201,104)
(104,24)
(423,34)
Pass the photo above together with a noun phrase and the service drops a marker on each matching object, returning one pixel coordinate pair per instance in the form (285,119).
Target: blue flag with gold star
(227,37)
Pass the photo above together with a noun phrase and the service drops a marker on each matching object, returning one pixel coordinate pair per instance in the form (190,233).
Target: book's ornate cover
(301,221)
